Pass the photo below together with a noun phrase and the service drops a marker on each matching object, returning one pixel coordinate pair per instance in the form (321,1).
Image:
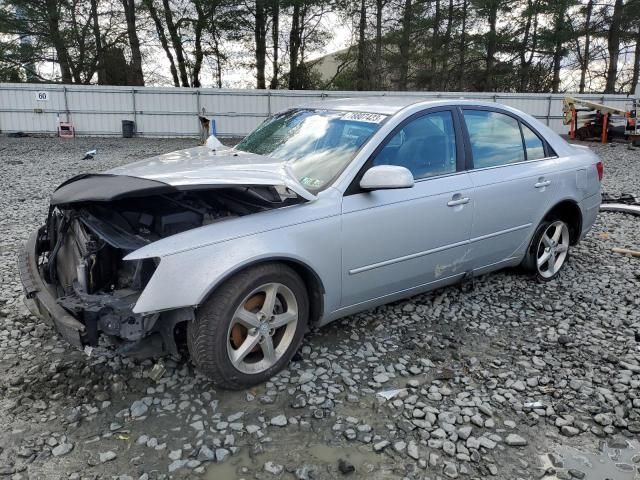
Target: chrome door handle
(458,201)
(544,183)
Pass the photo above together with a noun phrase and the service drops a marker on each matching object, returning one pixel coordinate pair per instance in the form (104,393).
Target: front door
(396,240)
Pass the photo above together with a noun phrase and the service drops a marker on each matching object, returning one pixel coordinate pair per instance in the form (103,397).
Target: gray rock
(379,446)
(198,425)
(413,450)
(279,421)
(222,454)
(138,409)
(305,377)
(449,448)
(62,449)
(569,431)
(514,440)
(177,465)
(450,470)
(381,378)
(107,456)
(399,446)
(464,432)
(205,454)
(273,468)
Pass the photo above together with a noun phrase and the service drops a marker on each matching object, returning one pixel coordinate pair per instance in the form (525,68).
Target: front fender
(185,278)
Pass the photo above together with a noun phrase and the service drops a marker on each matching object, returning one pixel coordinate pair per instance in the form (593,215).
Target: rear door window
(495,138)
(533,144)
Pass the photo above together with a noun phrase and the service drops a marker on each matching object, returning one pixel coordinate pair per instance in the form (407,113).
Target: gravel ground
(509,379)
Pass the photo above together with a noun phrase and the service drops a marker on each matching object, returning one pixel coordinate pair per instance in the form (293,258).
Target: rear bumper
(590,207)
(39,298)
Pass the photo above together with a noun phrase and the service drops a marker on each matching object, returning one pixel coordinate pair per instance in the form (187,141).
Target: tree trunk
(613,46)
(102,74)
(445,58)
(260,34)
(524,66)
(53,21)
(176,42)
(153,12)
(198,27)
(559,30)
(294,47)
(361,75)
(378,59)
(492,45)
(137,77)
(303,14)
(275,38)
(218,55)
(636,64)
(584,66)
(435,48)
(463,46)
(404,46)
(534,44)
(76,40)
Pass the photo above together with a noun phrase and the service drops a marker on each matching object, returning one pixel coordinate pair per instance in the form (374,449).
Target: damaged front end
(72,267)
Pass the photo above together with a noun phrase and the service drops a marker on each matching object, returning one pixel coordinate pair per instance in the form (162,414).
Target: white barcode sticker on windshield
(364,117)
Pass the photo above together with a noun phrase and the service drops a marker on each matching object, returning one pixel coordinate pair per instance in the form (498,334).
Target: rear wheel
(548,250)
(250,327)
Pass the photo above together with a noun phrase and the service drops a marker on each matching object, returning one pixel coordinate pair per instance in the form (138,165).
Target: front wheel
(548,250)
(250,328)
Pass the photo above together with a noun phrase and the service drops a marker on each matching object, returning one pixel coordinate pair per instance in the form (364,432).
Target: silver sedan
(323,211)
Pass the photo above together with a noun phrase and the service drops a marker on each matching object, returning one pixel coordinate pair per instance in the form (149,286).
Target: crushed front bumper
(40,300)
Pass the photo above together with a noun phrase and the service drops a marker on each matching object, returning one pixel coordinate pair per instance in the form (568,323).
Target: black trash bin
(128,128)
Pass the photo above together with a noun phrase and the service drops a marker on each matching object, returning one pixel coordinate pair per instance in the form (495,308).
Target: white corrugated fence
(172,112)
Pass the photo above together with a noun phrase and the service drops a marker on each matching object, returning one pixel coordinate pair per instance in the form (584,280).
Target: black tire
(208,334)
(582,133)
(530,261)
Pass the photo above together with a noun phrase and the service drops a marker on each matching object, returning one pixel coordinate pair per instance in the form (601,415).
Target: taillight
(600,169)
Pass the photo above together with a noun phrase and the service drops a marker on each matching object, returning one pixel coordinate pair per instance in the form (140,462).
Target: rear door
(396,240)
(512,172)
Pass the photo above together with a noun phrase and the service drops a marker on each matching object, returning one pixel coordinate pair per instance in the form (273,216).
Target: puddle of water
(323,457)
(608,464)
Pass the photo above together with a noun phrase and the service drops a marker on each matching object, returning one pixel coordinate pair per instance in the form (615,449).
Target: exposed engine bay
(81,248)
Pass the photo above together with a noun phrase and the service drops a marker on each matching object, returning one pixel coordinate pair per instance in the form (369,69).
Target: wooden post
(572,128)
(605,121)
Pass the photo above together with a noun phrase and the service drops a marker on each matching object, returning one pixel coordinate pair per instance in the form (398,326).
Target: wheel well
(568,211)
(314,286)
(312,281)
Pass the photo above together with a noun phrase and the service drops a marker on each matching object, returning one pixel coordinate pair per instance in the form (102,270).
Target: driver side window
(426,146)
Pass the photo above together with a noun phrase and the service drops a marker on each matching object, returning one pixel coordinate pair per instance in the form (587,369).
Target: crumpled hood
(202,166)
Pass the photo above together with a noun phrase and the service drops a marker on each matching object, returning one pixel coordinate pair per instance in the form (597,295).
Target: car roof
(383,105)
(388,105)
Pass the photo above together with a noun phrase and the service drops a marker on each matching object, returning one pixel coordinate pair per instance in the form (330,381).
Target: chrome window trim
(512,164)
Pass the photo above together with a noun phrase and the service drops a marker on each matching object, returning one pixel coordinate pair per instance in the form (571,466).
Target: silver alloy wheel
(552,249)
(262,328)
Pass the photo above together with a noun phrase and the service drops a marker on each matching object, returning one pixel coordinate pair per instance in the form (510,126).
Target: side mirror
(214,144)
(385,177)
